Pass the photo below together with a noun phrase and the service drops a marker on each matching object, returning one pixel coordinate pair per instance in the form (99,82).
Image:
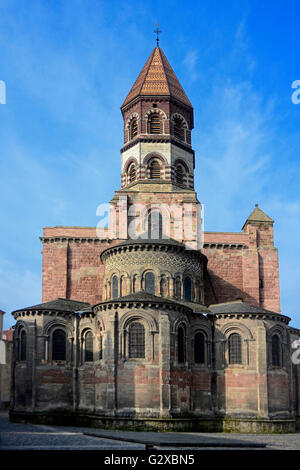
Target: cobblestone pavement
(18,436)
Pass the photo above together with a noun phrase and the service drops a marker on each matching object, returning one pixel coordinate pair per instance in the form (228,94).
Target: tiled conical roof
(157,78)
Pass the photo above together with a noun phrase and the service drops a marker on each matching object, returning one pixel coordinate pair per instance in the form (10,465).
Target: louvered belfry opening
(178,129)
(155,124)
(136,340)
(132,173)
(179,174)
(133,128)
(155,169)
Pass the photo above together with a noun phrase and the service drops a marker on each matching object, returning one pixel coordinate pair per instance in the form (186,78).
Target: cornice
(158,138)
(153,304)
(154,246)
(253,316)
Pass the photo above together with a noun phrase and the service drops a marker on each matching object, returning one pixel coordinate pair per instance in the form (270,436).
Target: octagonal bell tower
(157,159)
(158,119)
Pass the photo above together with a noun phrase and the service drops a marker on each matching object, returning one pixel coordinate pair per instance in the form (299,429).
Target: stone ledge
(201,424)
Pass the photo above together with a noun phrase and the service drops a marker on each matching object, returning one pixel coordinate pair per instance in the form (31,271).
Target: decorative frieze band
(74,239)
(225,245)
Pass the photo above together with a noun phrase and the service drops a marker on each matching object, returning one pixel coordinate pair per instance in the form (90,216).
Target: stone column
(165,387)
(262,373)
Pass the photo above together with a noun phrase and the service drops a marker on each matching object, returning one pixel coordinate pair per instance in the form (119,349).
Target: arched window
(179,174)
(134,284)
(276,351)
(100,347)
(123,286)
(59,345)
(235,349)
(133,128)
(155,225)
(155,169)
(178,128)
(88,347)
(163,287)
(23,346)
(155,124)
(150,283)
(188,289)
(136,340)
(177,288)
(132,173)
(115,289)
(181,345)
(199,348)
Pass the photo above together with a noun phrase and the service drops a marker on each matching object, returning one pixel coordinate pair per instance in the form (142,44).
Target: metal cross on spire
(157,31)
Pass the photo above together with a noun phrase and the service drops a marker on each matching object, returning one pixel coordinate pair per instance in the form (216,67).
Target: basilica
(151,323)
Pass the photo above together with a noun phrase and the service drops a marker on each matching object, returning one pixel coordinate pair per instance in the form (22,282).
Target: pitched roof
(62,305)
(238,306)
(157,78)
(257,215)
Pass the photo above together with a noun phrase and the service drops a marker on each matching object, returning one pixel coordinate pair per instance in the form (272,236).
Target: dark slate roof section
(240,307)
(143,296)
(58,305)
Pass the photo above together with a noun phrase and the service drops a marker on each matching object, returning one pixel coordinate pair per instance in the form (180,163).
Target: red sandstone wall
(240,265)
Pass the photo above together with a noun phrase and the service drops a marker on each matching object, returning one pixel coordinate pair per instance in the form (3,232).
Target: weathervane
(157,31)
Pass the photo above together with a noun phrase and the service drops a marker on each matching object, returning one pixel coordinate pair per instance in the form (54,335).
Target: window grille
(199,348)
(275,351)
(59,345)
(155,169)
(132,173)
(136,340)
(115,292)
(89,356)
(22,354)
(181,345)
(235,348)
(150,283)
(188,289)
(179,174)
(133,129)
(155,124)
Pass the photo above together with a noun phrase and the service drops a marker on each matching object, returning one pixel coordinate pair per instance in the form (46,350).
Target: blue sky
(68,65)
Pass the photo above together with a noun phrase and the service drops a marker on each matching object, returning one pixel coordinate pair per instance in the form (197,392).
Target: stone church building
(146,325)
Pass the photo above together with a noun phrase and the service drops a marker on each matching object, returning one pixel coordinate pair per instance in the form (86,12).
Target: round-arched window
(188,289)
(136,341)
(150,283)
(115,289)
(59,345)
(235,348)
